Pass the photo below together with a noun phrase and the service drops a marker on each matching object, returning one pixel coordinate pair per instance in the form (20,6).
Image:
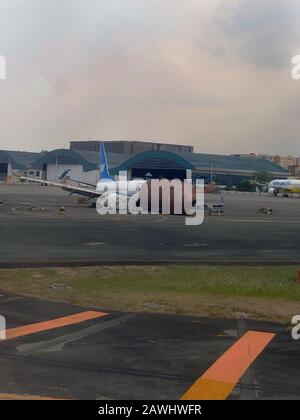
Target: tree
(263,177)
(246,186)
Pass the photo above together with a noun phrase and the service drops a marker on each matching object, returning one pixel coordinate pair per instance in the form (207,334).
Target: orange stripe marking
(25,397)
(220,379)
(54,323)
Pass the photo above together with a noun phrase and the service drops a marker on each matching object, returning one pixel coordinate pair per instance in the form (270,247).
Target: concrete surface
(81,236)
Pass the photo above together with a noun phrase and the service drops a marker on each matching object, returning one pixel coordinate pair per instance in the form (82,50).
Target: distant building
(246,155)
(128,147)
(140,160)
(287,162)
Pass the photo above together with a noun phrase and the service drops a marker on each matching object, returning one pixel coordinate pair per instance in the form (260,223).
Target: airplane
(284,186)
(103,184)
(109,192)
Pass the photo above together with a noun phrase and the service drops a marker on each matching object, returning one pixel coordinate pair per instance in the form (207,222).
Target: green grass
(262,282)
(178,289)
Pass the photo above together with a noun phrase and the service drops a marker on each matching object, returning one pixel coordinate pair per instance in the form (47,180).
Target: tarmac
(80,236)
(59,351)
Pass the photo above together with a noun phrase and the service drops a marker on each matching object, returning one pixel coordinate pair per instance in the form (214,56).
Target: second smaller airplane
(284,186)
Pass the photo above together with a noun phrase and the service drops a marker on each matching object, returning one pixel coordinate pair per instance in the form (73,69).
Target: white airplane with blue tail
(123,189)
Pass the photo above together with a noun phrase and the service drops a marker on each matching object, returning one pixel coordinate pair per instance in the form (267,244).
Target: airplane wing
(87,192)
(84,183)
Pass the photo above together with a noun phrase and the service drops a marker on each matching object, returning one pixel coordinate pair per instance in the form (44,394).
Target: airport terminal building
(139,159)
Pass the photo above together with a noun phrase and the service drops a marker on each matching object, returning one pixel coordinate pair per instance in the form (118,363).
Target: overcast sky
(211,73)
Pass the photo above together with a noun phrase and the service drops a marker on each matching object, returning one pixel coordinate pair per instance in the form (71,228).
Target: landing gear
(277,191)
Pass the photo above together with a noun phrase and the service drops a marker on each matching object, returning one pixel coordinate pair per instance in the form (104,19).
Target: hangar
(16,162)
(83,165)
(150,163)
(160,160)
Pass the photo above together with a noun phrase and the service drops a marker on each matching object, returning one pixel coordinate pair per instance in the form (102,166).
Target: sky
(215,74)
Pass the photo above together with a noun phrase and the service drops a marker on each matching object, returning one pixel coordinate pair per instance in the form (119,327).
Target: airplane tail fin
(104,172)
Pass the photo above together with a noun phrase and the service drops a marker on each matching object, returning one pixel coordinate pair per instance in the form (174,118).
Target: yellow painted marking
(208,389)
(220,379)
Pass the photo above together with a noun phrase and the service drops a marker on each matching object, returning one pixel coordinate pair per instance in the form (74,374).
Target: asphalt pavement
(80,236)
(55,350)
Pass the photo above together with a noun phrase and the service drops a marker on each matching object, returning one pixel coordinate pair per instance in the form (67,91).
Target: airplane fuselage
(284,185)
(128,188)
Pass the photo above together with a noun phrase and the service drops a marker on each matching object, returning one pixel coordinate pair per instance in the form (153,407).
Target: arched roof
(156,154)
(88,163)
(202,160)
(18,160)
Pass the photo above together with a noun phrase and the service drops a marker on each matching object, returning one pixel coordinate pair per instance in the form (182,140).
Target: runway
(43,237)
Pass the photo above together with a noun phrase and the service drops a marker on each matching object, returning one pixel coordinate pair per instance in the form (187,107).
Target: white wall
(9,170)
(54,171)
